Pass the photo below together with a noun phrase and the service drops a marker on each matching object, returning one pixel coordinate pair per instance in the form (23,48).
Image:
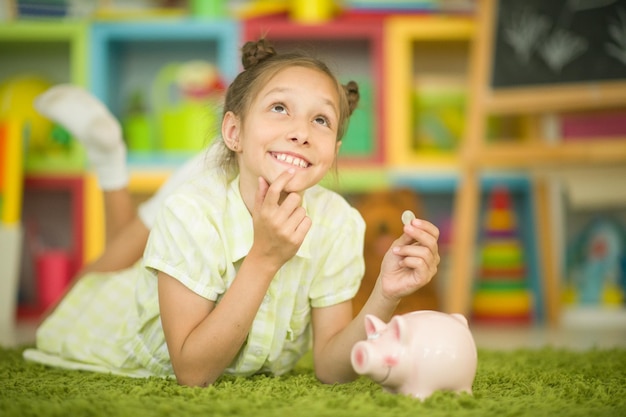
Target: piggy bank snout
(369,361)
(361,357)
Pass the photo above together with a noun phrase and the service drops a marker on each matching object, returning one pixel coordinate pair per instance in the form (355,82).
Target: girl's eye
(322,121)
(279,108)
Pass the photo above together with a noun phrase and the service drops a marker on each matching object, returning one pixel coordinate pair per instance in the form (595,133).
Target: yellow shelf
(532,154)
(400,35)
(147,182)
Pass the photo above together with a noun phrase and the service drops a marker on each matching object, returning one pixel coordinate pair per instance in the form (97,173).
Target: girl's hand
(279,227)
(411,261)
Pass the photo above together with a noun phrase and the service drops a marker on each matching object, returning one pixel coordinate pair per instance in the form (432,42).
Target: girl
(250,262)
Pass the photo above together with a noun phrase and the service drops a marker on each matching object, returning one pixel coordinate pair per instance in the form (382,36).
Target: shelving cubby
(420,46)
(127,57)
(53,50)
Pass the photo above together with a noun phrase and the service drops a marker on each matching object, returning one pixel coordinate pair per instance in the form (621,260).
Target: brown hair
(261,62)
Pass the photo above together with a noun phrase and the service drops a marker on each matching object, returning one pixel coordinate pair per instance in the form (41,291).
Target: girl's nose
(300,133)
(300,139)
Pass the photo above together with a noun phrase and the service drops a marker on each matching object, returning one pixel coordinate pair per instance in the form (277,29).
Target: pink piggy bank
(418,353)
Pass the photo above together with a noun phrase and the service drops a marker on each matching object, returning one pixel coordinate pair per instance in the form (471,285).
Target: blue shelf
(447,182)
(126,56)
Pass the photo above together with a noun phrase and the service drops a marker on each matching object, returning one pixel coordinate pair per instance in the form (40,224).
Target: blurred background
(502,122)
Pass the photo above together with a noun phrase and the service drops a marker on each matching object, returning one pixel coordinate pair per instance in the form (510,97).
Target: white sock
(91,123)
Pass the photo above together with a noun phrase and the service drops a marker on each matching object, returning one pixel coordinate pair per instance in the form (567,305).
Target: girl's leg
(90,122)
(119,211)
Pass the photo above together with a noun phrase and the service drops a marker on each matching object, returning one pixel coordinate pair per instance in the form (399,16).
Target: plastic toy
(418,353)
(186,97)
(502,293)
(597,266)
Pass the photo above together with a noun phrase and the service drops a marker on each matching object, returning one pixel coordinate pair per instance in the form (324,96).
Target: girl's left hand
(411,261)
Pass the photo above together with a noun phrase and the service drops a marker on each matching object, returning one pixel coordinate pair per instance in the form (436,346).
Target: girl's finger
(427,226)
(277,187)
(261,192)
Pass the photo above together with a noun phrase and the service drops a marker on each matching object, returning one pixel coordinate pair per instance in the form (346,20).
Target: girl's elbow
(331,378)
(192,382)
(192,378)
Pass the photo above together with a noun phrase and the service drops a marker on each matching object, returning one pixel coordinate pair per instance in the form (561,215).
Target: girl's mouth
(291,160)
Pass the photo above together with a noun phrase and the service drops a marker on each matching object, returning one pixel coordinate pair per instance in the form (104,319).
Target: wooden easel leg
(466,206)
(545,246)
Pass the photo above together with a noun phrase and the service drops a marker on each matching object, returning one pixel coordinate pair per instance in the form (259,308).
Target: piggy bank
(418,353)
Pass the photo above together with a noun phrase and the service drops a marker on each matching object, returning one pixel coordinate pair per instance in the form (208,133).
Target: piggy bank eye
(373,336)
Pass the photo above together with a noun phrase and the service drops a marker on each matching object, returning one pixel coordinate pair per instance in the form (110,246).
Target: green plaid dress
(110,322)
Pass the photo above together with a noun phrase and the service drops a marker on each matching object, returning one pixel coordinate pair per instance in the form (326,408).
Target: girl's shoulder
(206,192)
(208,184)
(326,206)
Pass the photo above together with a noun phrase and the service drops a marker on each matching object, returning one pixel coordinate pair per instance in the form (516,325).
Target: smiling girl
(251,263)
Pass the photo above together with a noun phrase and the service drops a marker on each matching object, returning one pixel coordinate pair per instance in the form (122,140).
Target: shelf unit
(115,58)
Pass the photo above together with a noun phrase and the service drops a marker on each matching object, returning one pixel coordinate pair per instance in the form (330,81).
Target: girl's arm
(408,265)
(203,337)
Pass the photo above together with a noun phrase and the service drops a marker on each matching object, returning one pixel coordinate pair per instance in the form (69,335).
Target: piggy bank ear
(461,318)
(398,329)
(373,324)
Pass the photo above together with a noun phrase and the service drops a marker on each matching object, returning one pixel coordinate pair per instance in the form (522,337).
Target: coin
(407,216)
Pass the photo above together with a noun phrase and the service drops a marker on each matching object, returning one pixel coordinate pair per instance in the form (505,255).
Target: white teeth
(291,160)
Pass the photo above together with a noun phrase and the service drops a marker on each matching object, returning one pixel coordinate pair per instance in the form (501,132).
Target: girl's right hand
(279,226)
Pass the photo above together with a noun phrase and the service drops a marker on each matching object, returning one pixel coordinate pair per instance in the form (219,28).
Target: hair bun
(352,92)
(254,52)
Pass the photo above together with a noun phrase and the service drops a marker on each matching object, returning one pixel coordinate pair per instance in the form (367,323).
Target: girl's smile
(289,159)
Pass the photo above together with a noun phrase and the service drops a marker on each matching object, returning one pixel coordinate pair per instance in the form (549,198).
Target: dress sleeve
(185,244)
(340,275)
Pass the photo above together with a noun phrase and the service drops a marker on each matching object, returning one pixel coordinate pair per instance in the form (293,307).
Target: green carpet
(534,383)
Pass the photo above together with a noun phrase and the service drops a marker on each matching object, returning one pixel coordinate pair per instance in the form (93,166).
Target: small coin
(407,216)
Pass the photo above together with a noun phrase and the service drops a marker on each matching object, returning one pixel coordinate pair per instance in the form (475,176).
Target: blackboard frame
(538,42)
(556,94)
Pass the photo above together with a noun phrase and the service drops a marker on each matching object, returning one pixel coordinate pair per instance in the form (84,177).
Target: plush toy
(383,215)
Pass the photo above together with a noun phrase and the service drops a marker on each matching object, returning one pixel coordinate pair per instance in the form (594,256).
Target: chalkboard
(547,42)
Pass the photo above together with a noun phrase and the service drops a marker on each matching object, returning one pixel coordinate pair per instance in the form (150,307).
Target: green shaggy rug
(535,383)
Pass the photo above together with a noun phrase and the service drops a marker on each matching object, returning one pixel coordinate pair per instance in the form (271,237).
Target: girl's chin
(300,182)
(294,186)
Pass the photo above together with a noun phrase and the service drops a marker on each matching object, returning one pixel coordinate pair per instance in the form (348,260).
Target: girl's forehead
(300,75)
(297,78)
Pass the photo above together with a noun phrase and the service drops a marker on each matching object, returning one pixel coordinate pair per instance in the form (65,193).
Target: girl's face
(291,123)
